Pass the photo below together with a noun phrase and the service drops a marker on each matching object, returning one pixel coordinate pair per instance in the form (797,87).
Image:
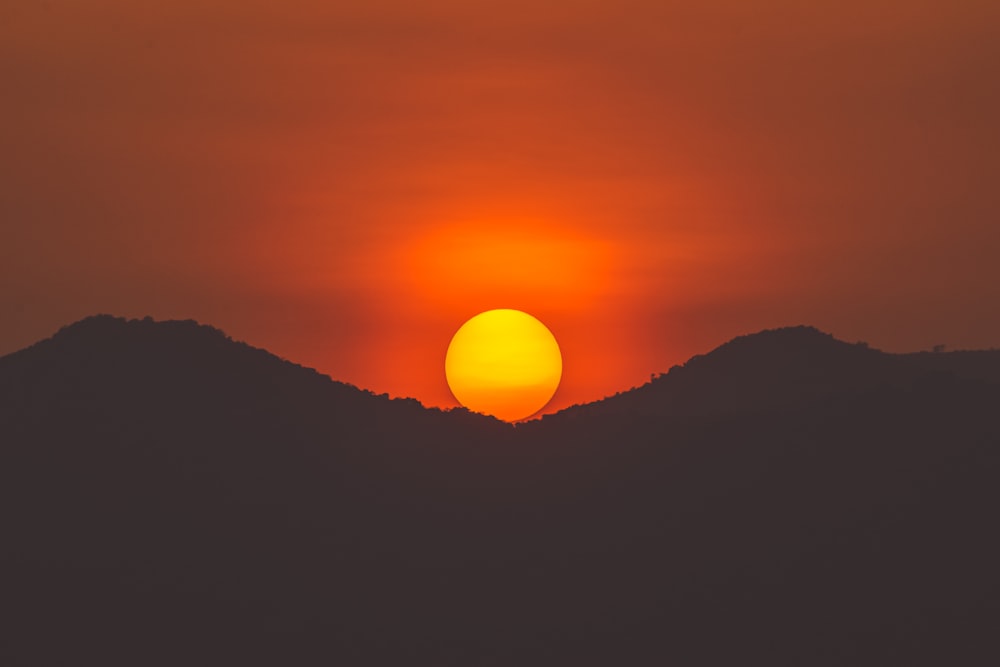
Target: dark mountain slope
(783,368)
(168,495)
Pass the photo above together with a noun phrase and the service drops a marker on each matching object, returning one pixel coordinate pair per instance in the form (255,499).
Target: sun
(503,363)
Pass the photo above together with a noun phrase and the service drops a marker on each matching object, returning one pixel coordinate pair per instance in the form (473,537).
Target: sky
(345,183)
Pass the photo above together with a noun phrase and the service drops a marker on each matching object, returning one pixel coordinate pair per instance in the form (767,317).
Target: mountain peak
(145,362)
(105,326)
(782,366)
(786,345)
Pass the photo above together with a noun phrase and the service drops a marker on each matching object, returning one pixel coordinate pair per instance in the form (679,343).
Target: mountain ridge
(779,351)
(168,495)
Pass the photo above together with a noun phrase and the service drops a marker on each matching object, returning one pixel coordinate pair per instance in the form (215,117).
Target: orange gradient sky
(345,183)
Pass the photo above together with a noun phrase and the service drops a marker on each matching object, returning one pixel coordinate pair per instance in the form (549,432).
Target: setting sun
(503,363)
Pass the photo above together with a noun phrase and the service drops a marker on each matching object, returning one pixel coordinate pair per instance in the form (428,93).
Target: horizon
(653,376)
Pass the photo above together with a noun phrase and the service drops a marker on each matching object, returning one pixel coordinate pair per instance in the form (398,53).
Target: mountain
(784,368)
(168,495)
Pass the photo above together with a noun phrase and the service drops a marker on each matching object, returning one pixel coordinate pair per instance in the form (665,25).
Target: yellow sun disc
(503,363)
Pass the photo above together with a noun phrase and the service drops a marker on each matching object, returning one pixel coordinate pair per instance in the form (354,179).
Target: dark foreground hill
(168,496)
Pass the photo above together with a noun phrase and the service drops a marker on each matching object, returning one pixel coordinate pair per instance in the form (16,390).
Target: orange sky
(345,183)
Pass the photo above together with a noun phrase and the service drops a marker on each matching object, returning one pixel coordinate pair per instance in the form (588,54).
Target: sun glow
(503,363)
(508,261)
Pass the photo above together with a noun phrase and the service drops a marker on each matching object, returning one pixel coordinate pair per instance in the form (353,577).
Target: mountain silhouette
(168,495)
